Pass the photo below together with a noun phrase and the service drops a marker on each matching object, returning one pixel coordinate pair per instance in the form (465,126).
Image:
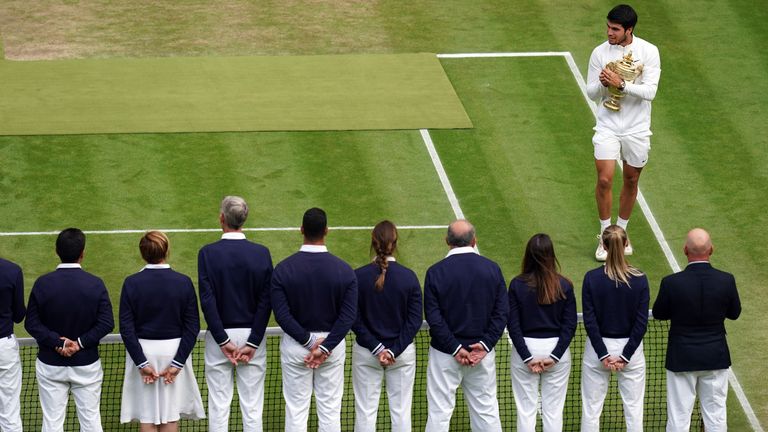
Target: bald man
(697,300)
(465,301)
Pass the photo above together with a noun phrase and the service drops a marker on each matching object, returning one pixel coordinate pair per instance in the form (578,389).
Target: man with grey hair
(465,302)
(697,300)
(234,276)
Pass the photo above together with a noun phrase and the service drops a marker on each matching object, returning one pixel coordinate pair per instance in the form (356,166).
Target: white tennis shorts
(632,149)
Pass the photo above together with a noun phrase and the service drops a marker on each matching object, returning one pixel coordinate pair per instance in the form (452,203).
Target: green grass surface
(214,94)
(707,165)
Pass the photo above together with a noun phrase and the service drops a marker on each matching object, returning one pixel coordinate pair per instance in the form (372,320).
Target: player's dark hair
(624,15)
(70,245)
(383,244)
(541,270)
(314,224)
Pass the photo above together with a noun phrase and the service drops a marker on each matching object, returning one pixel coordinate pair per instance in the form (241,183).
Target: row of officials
(317,298)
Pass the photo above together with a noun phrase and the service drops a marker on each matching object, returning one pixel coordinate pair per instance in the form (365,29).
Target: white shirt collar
(389,258)
(313,248)
(68,265)
(156,266)
(462,250)
(697,262)
(233,236)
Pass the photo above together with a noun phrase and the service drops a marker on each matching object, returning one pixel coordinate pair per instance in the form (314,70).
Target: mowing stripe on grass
(672,261)
(215,94)
(202,230)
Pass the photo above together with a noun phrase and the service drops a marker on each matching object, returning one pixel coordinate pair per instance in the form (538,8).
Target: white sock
(604,223)
(622,223)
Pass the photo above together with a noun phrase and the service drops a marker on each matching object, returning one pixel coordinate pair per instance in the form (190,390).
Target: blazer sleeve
(128,328)
(661,309)
(190,329)
(347,315)
(18,308)
(513,323)
(568,321)
(734,305)
(590,319)
(34,324)
(283,315)
(641,321)
(105,320)
(413,322)
(498,318)
(208,300)
(438,328)
(263,309)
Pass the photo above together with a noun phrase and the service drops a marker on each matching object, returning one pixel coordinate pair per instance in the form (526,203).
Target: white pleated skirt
(160,403)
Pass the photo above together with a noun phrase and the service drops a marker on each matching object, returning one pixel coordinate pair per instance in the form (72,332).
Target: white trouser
(55,382)
(367,374)
(553,382)
(712,388)
(444,375)
(299,381)
(594,386)
(10,385)
(250,383)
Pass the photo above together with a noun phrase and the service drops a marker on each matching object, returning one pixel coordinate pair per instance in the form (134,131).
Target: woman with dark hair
(615,301)
(159,323)
(388,318)
(542,322)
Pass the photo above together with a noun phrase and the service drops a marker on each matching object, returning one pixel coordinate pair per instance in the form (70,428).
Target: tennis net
(113,362)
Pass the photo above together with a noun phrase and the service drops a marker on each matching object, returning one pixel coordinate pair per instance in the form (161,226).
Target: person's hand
(246,353)
(169,374)
(316,356)
(614,363)
(148,374)
(69,349)
(547,363)
(619,364)
(385,359)
(477,354)
(535,366)
(610,78)
(462,357)
(230,352)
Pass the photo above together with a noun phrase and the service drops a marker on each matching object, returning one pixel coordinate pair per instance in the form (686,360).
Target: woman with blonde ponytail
(388,317)
(615,301)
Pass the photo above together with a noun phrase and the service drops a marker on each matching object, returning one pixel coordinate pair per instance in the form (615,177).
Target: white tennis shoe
(600,254)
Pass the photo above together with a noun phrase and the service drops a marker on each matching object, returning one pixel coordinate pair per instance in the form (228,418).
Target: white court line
(204,230)
(673,264)
(441,174)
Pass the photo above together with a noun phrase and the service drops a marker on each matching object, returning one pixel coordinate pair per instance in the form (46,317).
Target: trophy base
(612,105)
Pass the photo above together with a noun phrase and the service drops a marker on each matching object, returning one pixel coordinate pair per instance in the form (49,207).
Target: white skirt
(160,403)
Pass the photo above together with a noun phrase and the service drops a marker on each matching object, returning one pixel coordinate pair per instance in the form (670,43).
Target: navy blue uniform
(389,318)
(528,318)
(314,292)
(71,303)
(234,281)
(12,308)
(465,302)
(159,304)
(614,310)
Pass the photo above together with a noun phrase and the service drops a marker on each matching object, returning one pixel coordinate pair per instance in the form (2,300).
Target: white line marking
(203,230)
(673,264)
(441,174)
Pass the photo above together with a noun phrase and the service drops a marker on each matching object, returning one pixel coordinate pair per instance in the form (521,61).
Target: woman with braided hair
(388,317)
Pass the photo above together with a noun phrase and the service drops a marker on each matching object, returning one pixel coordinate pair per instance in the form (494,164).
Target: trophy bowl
(628,71)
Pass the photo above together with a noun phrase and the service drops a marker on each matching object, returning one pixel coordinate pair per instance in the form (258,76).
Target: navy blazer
(465,302)
(697,300)
(234,277)
(12,308)
(72,303)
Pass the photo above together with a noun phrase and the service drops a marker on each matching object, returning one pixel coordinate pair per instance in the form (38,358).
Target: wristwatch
(623,84)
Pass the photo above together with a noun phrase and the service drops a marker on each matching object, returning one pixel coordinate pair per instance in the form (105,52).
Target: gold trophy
(628,71)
